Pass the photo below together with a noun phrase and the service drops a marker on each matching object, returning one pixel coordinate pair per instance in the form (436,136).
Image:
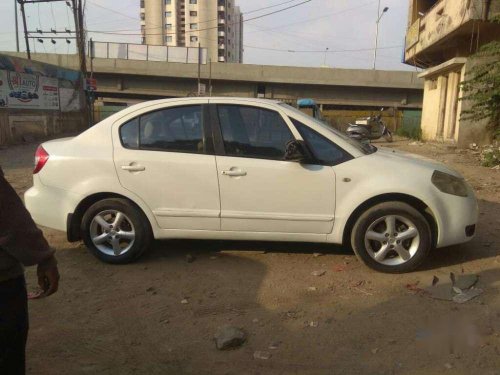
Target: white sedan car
(244,169)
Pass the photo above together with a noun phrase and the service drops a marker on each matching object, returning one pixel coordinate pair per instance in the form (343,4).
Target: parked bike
(369,128)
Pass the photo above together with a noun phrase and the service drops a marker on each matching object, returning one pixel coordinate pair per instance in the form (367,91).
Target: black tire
(139,222)
(399,209)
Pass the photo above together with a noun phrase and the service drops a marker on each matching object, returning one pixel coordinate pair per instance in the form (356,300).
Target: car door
(165,156)
(260,191)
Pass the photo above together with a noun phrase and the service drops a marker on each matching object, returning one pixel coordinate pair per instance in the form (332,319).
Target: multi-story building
(441,37)
(213,24)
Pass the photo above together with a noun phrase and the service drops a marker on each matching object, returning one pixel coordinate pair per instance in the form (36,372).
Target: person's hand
(48,279)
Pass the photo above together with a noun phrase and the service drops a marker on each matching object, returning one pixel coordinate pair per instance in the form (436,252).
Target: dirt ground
(130,319)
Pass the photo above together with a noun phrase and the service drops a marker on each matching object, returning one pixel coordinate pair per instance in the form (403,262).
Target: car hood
(406,159)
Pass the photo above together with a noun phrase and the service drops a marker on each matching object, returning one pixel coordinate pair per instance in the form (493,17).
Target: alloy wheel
(112,232)
(392,240)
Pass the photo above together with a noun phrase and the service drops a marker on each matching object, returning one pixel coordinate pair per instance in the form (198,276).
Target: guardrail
(144,52)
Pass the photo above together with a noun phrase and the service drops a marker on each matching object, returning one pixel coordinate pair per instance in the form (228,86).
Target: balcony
(222,21)
(221,33)
(221,8)
(222,46)
(222,59)
(434,22)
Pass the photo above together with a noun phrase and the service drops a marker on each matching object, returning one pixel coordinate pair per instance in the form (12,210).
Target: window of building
(168,26)
(173,129)
(193,26)
(143,40)
(193,13)
(168,14)
(253,132)
(168,38)
(143,16)
(193,1)
(142,3)
(194,38)
(168,2)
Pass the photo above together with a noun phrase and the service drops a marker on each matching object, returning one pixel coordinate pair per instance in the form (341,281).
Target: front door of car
(165,157)
(260,191)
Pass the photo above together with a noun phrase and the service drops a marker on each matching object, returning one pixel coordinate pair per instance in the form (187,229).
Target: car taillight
(41,158)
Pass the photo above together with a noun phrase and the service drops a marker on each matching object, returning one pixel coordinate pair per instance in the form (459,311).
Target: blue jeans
(13,326)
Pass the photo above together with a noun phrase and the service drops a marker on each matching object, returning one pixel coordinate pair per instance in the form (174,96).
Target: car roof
(214,98)
(197,99)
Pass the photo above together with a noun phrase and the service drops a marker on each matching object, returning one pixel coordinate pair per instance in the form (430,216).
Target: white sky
(315,26)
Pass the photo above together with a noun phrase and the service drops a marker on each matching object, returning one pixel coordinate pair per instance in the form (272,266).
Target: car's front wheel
(115,231)
(392,237)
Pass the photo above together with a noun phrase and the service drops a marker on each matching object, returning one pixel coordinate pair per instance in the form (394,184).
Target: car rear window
(177,129)
(129,134)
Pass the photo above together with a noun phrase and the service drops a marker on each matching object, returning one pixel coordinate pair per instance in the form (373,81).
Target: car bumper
(50,206)
(457,218)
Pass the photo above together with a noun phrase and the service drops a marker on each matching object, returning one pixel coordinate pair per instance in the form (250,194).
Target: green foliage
(490,157)
(413,132)
(482,86)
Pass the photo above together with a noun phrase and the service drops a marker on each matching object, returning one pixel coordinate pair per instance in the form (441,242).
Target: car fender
(357,184)
(109,187)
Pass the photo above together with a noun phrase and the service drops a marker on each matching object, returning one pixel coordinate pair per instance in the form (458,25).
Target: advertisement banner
(22,90)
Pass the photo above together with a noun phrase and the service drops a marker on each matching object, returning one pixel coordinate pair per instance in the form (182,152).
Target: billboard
(32,91)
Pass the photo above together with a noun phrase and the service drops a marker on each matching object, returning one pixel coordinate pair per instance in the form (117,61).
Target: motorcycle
(369,128)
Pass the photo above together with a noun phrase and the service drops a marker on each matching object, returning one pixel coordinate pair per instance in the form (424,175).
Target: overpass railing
(144,52)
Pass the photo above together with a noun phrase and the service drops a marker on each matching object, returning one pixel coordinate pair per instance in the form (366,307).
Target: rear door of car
(165,156)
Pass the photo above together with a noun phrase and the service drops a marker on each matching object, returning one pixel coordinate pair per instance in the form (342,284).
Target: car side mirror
(296,150)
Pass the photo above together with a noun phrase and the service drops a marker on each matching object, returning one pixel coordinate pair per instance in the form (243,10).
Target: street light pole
(17,26)
(379,17)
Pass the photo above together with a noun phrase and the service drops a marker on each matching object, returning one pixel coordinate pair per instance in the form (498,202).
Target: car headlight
(449,184)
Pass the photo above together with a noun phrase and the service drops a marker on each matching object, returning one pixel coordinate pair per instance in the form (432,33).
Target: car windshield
(365,148)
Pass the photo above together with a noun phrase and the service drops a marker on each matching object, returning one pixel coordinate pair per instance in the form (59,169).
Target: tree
(481,86)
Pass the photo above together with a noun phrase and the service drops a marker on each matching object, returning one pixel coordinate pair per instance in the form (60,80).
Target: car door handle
(234,173)
(133,168)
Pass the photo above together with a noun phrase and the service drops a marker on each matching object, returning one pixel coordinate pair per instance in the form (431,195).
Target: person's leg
(13,326)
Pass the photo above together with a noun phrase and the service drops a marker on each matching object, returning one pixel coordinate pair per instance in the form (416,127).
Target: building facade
(213,24)
(441,37)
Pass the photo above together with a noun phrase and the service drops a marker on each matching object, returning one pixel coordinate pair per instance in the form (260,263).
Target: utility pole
(326,52)
(199,69)
(91,53)
(80,35)
(25,27)
(210,78)
(26,39)
(379,16)
(17,26)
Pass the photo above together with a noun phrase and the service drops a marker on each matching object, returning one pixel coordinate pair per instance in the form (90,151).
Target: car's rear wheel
(115,231)
(392,237)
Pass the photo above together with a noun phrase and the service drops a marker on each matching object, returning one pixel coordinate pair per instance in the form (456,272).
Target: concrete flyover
(120,80)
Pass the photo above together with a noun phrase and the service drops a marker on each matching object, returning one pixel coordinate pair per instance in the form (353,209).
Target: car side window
(253,132)
(178,129)
(322,148)
(129,134)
